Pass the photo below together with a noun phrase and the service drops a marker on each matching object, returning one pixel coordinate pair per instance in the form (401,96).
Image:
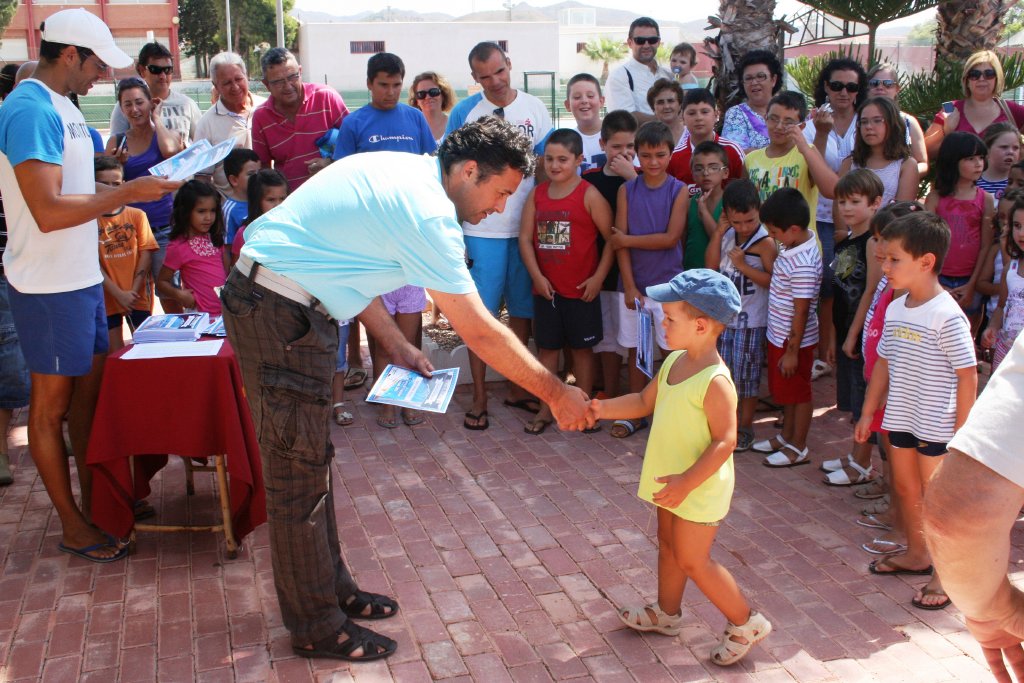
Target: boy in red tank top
(561,222)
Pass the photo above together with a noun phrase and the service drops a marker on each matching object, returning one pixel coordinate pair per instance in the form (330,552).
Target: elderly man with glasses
(286,127)
(628,83)
(179,112)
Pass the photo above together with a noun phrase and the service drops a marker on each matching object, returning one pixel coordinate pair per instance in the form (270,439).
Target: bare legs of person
(411,325)
(477,416)
(610,363)
(52,397)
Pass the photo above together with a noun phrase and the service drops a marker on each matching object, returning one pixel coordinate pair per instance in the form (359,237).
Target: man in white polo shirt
(628,83)
(56,291)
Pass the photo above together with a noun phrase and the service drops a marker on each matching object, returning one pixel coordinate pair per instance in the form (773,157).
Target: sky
(659,9)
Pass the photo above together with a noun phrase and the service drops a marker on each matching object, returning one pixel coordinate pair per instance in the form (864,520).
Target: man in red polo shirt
(286,127)
(700,114)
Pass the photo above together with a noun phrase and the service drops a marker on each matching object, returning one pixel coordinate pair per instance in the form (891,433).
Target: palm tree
(605,51)
(966,26)
(872,13)
(743,25)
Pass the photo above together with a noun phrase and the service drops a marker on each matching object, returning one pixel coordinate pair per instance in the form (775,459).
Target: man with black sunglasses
(628,83)
(179,112)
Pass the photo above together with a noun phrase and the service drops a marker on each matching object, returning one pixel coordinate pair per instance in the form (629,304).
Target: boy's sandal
(769,445)
(639,618)
(355,377)
(880,546)
(729,651)
(341,416)
(872,490)
(378,604)
(781,457)
(537,426)
(850,475)
(623,428)
(926,592)
(876,568)
(820,369)
(744,440)
(374,645)
(837,463)
(877,507)
(872,522)
(411,418)
(143,510)
(476,422)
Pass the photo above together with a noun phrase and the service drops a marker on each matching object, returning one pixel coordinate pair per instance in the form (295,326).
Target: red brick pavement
(508,554)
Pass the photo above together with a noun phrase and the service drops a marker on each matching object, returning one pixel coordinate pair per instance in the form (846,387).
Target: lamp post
(227,13)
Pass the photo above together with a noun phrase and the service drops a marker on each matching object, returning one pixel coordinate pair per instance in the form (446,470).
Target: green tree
(872,13)
(253,23)
(201,23)
(1013,21)
(744,25)
(7,10)
(923,34)
(805,70)
(604,51)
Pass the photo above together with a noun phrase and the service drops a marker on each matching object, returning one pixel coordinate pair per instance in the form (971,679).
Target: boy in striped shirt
(792,323)
(926,363)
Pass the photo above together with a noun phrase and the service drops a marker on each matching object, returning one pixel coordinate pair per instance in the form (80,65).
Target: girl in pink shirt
(195,249)
(968,210)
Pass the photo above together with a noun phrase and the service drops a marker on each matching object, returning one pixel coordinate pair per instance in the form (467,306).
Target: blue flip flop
(83,552)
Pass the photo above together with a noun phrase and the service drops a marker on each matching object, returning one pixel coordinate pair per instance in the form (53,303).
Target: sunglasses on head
(976,74)
(424,94)
(838,86)
(885,82)
(647,40)
(156,70)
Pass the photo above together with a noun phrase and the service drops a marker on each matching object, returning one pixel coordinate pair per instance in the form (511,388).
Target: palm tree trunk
(746,25)
(966,26)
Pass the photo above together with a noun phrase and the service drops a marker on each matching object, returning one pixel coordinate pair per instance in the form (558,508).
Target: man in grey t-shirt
(180,112)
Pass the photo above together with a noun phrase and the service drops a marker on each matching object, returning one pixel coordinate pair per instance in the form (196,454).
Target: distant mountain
(398,15)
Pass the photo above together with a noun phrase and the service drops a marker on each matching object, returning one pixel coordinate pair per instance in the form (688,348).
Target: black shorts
(561,322)
(135,319)
(908,440)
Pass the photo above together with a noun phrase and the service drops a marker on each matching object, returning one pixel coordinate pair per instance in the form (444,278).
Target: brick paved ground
(508,554)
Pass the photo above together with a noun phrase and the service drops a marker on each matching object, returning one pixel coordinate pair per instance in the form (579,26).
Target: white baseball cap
(82,28)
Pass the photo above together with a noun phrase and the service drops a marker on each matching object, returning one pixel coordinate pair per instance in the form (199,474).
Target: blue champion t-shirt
(368,129)
(364,226)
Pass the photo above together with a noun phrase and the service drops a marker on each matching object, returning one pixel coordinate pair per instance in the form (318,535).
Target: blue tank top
(648,212)
(158,212)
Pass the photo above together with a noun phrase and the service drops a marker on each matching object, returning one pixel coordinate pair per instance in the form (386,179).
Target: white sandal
(781,458)
(342,417)
(754,631)
(841,477)
(820,369)
(837,464)
(766,446)
(639,619)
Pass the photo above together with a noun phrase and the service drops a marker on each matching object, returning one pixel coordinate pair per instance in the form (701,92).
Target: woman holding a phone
(982,105)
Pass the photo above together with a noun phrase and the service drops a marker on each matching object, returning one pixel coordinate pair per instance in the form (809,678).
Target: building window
(366,47)
(503,44)
(580,47)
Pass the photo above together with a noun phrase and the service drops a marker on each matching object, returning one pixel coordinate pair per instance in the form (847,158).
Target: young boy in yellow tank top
(688,469)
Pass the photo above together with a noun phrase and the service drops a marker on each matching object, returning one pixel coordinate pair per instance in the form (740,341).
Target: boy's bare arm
(142,270)
(713,252)
(790,357)
(627,406)
(966,393)
(720,410)
(764,249)
(527,227)
(601,213)
(622,253)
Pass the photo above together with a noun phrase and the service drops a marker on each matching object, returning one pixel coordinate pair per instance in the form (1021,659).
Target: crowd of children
(724,251)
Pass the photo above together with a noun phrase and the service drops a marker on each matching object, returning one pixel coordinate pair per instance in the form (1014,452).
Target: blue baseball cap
(706,290)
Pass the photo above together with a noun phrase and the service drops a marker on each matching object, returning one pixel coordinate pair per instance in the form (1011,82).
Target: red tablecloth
(193,406)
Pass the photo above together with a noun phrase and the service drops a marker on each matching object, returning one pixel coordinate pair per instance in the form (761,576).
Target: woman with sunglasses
(884,81)
(982,105)
(432,94)
(760,75)
(146,143)
(842,85)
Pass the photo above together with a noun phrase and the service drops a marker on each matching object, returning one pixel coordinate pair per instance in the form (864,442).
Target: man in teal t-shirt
(363,226)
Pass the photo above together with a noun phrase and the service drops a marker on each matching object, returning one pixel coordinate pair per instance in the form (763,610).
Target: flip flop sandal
(779,459)
(342,417)
(355,378)
(412,419)
(84,551)
(898,571)
(537,427)
(387,423)
(374,645)
(843,477)
(143,510)
(872,490)
(925,592)
(872,522)
(754,631)
(377,603)
(877,507)
(592,430)
(890,547)
(476,425)
(623,428)
(639,618)
(765,446)
(530,405)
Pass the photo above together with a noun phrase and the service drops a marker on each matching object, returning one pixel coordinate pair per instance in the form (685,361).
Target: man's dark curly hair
(493,144)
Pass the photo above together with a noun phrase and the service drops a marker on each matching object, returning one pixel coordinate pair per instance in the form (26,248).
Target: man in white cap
(55,283)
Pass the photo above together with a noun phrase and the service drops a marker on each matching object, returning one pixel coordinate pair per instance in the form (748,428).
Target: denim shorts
(14,377)
(61,332)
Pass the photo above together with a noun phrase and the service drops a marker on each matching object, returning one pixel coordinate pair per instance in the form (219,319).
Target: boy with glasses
(628,84)
(179,112)
(700,114)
